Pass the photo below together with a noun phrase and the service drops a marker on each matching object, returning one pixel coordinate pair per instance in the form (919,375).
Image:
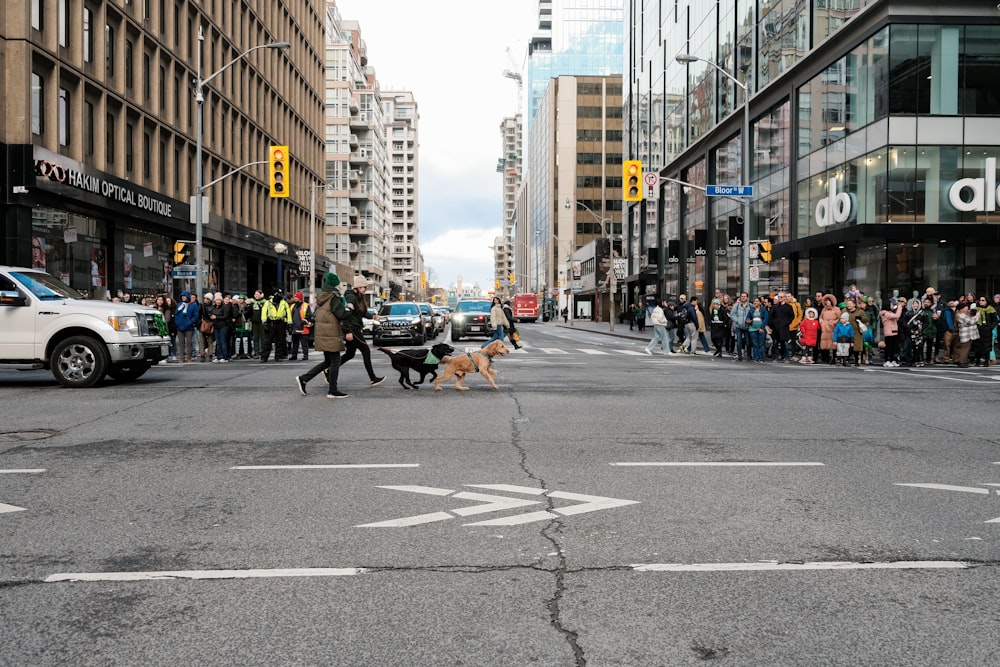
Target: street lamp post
(612,278)
(199,189)
(687,59)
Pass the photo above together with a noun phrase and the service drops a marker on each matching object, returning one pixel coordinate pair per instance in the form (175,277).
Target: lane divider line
(204,574)
(332,466)
(819,565)
(716,463)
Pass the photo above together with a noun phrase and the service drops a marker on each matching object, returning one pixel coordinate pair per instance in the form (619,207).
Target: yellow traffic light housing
(632,180)
(180,253)
(765,252)
(277,157)
(510,278)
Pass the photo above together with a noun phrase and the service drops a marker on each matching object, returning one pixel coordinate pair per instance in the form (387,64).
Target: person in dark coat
(779,321)
(329,337)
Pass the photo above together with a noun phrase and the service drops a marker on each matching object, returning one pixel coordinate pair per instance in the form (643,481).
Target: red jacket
(810,332)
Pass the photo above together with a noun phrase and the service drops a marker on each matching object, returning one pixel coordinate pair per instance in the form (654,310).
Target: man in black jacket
(353,327)
(779,321)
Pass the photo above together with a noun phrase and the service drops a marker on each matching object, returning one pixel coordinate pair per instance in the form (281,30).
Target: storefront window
(146,265)
(70,247)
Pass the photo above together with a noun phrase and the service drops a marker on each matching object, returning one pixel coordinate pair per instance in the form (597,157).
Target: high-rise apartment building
(510,166)
(99,130)
(872,148)
(401,120)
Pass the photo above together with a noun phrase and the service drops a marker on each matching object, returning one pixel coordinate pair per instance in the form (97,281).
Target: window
(147,155)
(109,51)
(88,35)
(129,69)
(109,139)
(129,148)
(64,111)
(37,95)
(88,129)
(62,16)
(36,14)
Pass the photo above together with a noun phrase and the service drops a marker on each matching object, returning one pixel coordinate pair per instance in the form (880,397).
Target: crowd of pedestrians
(851,330)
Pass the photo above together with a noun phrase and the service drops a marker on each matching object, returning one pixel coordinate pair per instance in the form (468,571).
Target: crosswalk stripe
(586,350)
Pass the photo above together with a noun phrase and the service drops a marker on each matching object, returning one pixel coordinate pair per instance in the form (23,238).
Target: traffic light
(632,180)
(181,255)
(765,252)
(510,278)
(423,280)
(278,170)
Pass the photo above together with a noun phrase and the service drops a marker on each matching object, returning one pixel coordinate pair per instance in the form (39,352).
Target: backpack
(683,316)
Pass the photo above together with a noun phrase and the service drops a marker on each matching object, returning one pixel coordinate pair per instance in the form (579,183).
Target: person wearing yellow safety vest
(276,316)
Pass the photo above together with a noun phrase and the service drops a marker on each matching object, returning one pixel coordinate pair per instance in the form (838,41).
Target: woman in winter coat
(498,321)
(329,337)
(892,310)
(828,319)
(857,317)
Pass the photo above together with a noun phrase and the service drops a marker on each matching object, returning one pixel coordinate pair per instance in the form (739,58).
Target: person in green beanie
(329,336)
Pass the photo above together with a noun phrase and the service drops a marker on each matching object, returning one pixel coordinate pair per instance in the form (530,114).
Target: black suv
(399,321)
(431,326)
(471,317)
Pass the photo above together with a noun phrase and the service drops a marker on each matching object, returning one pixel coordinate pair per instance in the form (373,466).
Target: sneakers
(336,394)
(301,384)
(647,350)
(377,381)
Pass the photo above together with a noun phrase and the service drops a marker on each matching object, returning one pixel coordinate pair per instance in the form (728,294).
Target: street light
(199,189)
(612,279)
(687,59)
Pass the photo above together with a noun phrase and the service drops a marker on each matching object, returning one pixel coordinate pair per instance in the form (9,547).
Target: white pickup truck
(46,324)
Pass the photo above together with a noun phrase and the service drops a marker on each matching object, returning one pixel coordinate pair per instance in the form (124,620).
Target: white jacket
(658,317)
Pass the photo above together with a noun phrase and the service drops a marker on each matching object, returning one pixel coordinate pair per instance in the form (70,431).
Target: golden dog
(471,362)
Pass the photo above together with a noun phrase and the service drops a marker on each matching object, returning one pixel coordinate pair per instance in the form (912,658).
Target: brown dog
(471,362)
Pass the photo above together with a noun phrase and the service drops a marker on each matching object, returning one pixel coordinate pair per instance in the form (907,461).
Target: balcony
(360,155)
(354,141)
(354,212)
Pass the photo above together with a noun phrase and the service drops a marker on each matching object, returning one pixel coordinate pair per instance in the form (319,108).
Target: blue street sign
(185,271)
(729,190)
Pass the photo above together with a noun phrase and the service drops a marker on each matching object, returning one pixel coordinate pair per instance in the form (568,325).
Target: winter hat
(845,317)
(219,296)
(811,312)
(359,281)
(209,296)
(331,280)
(996,296)
(961,306)
(186,293)
(298,296)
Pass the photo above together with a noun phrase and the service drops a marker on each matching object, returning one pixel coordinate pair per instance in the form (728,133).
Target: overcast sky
(451,54)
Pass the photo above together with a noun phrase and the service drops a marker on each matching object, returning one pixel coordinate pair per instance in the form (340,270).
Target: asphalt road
(604,507)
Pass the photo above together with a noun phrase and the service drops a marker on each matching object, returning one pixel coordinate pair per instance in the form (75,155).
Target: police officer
(276,316)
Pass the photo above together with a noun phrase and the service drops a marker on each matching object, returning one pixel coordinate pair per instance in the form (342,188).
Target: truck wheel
(79,362)
(128,372)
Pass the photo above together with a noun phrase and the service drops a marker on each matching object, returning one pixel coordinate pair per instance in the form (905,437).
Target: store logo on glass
(836,207)
(984,190)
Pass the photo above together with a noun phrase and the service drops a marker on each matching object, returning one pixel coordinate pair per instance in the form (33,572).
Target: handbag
(862,327)
(207,327)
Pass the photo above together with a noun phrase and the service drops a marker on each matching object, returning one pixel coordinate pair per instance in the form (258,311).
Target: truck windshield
(45,286)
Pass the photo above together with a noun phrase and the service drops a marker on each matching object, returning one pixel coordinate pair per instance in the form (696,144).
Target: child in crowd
(809,336)
(843,334)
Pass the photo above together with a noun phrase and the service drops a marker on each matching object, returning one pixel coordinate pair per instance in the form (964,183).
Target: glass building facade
(873,144)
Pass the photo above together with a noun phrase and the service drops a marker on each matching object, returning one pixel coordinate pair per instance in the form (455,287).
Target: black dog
(404,360)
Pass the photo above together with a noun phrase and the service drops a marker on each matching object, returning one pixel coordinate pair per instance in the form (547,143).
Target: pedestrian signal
(181,255)
(632,180)
(765,251)
(278,170)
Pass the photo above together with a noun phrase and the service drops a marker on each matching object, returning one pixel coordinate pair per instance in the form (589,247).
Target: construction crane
(517,74)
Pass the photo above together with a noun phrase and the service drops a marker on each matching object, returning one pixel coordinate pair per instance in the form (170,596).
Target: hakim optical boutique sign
(68,178)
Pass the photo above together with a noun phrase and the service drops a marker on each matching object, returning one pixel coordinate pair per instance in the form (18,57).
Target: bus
(525,307)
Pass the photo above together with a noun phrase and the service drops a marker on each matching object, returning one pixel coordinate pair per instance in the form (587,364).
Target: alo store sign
(836,207)
(59,174)
(984,190)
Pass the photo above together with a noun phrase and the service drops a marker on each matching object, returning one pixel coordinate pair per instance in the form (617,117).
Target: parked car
(368,323)
(471,317)
(399,322)
(429,320)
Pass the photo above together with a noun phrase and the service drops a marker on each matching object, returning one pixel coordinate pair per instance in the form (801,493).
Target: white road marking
(25,471)
(4,508)
(775,565)
(552,350)
(632,353)
(587,350)
(717,463)
(491,503)
(206,574)
(949,487)
(330,466)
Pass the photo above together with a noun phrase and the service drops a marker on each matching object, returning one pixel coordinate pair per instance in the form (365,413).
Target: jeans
(757,339)
(659,338)
(221,342)
(742,336)
(184,344)
(671,341)
(498,334)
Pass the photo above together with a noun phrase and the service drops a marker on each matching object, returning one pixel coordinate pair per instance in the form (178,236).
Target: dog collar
(474,364)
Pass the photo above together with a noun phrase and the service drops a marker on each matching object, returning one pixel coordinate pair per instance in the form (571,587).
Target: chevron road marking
(962,489)
(492,503)
(4,508)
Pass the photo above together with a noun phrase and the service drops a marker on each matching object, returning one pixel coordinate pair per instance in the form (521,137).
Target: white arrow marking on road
(949,487)
(590,503)
(499,503)
(4,508)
